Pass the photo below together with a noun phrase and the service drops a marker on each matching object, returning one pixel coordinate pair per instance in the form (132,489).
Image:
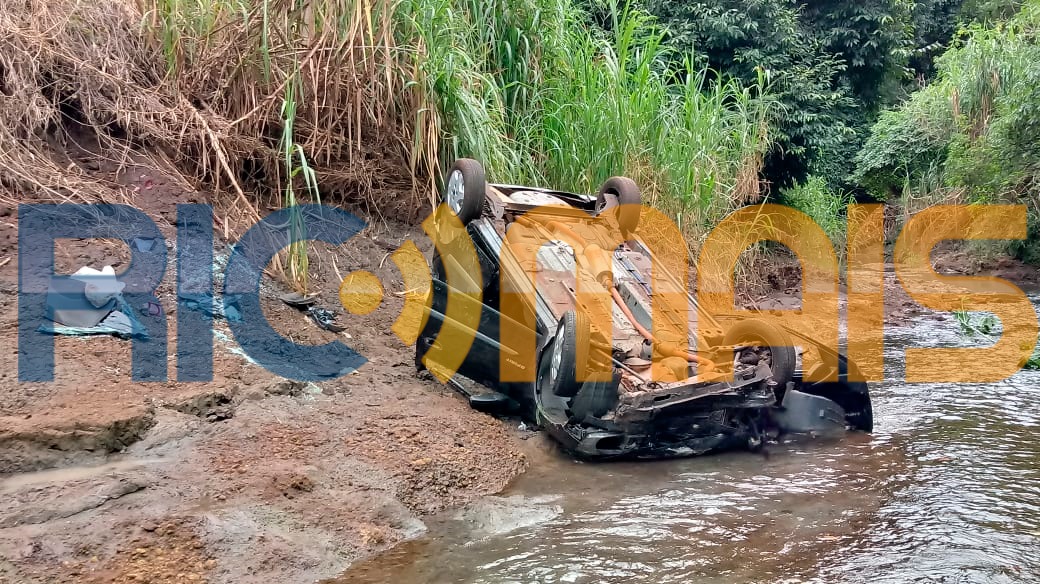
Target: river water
(947,489)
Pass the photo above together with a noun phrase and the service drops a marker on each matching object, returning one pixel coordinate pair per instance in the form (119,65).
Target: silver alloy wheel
(557,356)
(455,193)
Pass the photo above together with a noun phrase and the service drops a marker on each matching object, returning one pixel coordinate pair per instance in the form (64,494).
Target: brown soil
(779,283)
(249,477)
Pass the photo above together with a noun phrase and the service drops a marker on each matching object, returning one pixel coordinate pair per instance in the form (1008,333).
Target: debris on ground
(100,287)
(299,301)
(207,304)
(117,323)
(306,303)
(144,244)
(324,318)
(90,302)
(85,298)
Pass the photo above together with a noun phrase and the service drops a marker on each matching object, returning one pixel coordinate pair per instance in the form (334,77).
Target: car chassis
(690,409)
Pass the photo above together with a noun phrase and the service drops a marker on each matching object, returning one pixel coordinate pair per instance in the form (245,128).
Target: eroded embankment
(248,477)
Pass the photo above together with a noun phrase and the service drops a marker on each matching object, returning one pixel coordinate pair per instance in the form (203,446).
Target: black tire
(595,399)
(570,351)
(468,203)
(753,332)
(623,191)
(859,411)
(428,331)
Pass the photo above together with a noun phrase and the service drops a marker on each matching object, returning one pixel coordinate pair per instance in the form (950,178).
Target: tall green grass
(619,110)
(815,198)
(476,65)
(524,86)
(297,170)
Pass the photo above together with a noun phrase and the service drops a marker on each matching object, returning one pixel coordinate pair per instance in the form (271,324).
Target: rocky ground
(249,477)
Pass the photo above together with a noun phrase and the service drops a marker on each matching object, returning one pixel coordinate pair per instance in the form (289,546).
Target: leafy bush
(870,38)
(826,208)
(906,143)
(934,24)
(989,11)
(977,127)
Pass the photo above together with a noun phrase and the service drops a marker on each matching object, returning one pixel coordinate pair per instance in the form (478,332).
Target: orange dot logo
(360,292)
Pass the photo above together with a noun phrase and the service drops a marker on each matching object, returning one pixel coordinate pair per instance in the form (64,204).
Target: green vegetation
(971,136)
(1034,362)
(970,325)
(709,105)
(524,87)
(824,206)
(985,325)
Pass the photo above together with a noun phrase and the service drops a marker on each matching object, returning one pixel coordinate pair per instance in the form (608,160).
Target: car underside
(603,380)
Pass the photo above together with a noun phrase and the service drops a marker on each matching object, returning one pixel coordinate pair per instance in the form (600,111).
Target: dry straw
(204,84)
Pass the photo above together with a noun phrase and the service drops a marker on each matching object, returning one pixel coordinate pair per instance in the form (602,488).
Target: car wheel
(621,191)
(465,189)
(437,271)
(570,351)
(594,399)
(759,334)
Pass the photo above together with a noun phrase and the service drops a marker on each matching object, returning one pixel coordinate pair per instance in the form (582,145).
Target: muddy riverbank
(248,477)
(252,478)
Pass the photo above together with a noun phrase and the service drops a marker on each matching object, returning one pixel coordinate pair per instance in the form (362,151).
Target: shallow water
(947,489)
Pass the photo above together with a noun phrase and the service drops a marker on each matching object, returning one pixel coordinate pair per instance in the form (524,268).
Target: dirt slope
(248,478)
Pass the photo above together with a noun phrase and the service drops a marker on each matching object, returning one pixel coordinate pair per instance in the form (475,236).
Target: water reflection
(947,489)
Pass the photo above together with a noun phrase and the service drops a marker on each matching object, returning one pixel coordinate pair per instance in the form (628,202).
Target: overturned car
(598,380)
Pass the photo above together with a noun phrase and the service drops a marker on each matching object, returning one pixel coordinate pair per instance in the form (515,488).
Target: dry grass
(203,84)
(265,101)
(51,65)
